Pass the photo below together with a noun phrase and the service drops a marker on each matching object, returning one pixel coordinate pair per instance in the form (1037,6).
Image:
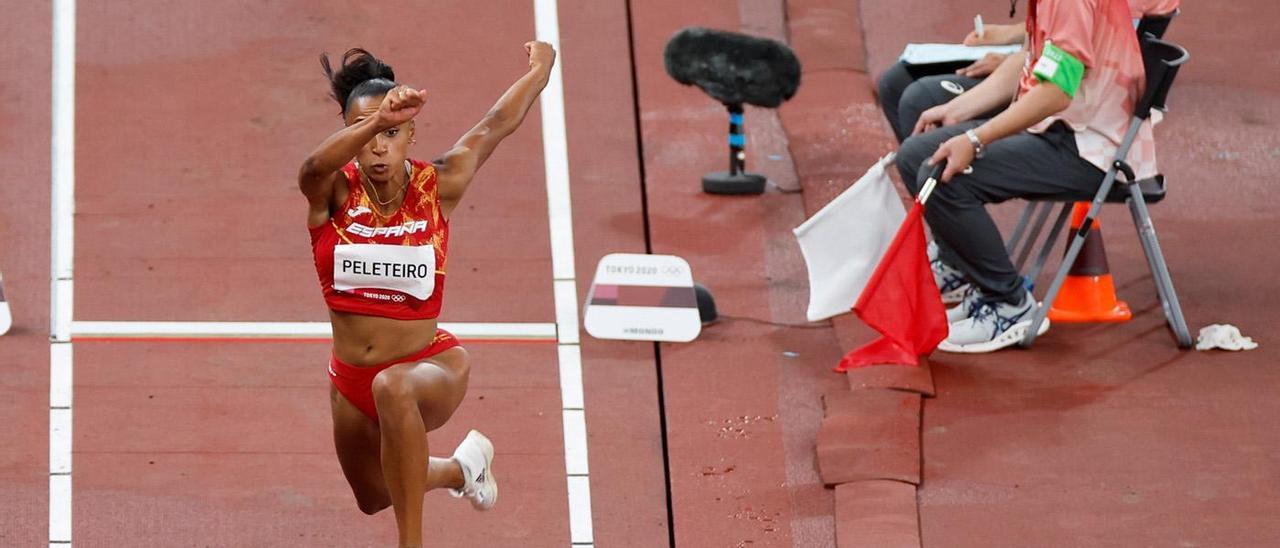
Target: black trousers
(905,91)
(1026,165)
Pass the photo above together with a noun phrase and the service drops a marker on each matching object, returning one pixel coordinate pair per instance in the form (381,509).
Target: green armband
(1060,69)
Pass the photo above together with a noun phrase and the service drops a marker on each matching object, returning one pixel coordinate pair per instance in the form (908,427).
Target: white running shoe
(992,326)
(971,301)
(951,282)
(475,457)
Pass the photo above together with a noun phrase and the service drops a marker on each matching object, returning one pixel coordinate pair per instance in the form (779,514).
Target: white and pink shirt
(1100,34)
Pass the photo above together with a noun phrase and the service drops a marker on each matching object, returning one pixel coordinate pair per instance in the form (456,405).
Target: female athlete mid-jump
(379,224)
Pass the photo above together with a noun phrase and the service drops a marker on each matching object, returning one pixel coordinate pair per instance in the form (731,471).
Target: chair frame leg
(1048,246)
(1018,229)
(1159,268)
(1038,226)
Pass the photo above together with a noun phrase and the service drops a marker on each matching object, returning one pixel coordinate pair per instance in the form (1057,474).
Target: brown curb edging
(877,514)
(868,444)
(868,448)
(896,377)
(868,435)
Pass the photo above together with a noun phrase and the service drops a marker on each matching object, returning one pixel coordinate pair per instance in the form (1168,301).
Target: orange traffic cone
(1088,294)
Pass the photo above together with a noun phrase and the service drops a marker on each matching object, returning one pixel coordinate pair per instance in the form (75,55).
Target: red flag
(901,302)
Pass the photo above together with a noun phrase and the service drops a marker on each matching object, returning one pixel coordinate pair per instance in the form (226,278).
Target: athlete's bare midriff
(370,340)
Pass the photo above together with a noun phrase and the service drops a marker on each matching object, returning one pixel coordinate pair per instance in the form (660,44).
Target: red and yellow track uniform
(391,266)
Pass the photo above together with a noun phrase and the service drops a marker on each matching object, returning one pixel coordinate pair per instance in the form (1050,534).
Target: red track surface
(24,258)
(190,124)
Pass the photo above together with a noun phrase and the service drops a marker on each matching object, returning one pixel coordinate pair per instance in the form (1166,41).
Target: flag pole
(927,188)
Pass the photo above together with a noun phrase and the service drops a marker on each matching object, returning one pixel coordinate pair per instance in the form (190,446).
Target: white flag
(843,242)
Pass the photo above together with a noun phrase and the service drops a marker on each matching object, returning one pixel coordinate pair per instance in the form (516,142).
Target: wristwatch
(978,148)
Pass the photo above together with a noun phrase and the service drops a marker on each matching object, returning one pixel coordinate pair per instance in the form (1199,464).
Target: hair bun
(358,67)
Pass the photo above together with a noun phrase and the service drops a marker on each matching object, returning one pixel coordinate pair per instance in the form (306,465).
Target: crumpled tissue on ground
(1224,336)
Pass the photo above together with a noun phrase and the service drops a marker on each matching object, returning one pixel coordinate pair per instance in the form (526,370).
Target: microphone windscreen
(733,68)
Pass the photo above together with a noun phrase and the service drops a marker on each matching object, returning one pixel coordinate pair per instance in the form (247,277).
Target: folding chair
(1161,60)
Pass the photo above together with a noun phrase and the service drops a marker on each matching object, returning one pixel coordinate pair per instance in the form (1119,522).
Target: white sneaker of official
(951,282)
(992,326)
(968,305)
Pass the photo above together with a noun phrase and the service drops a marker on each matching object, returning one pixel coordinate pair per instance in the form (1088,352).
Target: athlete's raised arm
(361,76)
(457,167)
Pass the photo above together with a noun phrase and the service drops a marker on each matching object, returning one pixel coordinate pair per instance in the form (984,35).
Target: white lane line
(63,143)
(292,330)
(565,293)
(555,148)
(571,376)
(575,443)
(60,441)
(580,510)
(61,303)
(62,241)
(60,497)
(59,376)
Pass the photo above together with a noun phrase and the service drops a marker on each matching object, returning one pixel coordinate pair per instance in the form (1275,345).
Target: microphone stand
(736,180)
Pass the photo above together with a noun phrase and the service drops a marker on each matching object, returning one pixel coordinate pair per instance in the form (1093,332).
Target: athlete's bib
(407,269)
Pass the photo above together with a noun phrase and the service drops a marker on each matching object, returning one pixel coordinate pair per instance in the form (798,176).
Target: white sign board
(642,298)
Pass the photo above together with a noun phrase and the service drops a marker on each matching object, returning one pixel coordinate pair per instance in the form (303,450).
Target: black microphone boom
(734,69)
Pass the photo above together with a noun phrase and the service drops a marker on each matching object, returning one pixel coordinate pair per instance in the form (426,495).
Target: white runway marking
(62,240)
(248,331)
(555,149)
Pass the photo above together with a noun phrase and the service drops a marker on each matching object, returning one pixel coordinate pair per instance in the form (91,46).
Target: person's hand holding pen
(996,35)
(990,35)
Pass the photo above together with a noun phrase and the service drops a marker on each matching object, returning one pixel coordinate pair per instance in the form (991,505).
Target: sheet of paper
(925,54)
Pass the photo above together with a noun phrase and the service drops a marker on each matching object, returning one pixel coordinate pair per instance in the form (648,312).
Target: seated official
(1071,106)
